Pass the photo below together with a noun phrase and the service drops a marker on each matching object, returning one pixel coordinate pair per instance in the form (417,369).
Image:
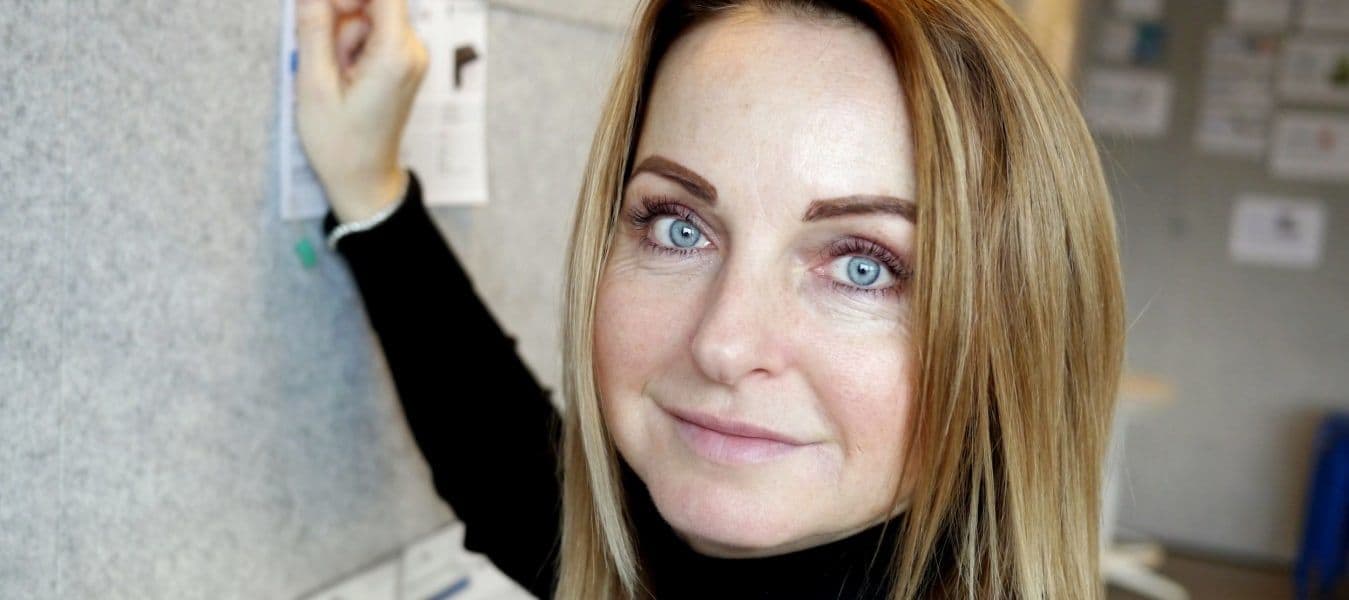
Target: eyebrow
(824,208)
(680,174)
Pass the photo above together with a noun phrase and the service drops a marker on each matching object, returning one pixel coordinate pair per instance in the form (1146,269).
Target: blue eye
(862,272)
(683,234)
(679,234)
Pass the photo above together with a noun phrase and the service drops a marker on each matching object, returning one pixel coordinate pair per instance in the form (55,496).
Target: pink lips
(731,442)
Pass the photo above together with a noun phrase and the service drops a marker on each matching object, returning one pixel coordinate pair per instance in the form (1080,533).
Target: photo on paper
(1316,70)
(1284,232)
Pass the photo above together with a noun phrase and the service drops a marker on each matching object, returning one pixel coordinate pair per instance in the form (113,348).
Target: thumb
(314,31)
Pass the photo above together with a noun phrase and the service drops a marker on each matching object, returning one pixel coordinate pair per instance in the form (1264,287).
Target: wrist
(358,202)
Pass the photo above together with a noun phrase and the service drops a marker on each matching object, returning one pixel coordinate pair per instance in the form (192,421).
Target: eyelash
(648,209)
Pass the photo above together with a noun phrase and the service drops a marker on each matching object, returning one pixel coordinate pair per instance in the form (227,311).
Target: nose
(743,331)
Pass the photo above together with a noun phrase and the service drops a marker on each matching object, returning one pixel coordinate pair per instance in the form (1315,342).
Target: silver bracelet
(342,230)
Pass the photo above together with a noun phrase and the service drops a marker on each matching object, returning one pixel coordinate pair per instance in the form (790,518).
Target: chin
(728,518)
(729,509)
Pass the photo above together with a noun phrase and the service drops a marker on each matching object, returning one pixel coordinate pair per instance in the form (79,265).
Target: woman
(844,308)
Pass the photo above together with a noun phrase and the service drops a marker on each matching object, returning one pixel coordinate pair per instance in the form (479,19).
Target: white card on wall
(377,583)
(445,140)
(1275,231)
(1237,96)
(1310,146)
(434,568)
(1128,102)
(438,567)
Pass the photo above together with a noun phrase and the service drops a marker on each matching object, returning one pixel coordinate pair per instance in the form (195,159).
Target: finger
(317,72)
(351,36)
(389,22)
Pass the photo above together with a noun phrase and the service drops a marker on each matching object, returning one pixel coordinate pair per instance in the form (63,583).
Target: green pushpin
(306,251)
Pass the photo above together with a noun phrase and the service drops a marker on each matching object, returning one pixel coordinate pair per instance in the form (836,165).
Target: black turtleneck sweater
(489,433)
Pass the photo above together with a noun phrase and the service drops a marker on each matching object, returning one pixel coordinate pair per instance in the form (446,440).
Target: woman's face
(751,347)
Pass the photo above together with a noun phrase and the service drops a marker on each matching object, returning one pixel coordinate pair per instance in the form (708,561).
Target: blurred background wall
(187,411)
(1256,354)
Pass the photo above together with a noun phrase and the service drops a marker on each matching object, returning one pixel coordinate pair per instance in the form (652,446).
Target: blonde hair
(1016,310)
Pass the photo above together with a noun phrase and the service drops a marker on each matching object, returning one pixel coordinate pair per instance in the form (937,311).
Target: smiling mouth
(731,443)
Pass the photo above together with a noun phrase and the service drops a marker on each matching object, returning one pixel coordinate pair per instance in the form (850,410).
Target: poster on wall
(1310,146)
(1237,98)
(1315,69)
(1325,15)
(1128,102)
(445,139)
(1261,14)
(1275,231)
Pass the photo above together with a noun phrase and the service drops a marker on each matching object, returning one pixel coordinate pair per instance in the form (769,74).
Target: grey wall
(1256,354)
(185,410)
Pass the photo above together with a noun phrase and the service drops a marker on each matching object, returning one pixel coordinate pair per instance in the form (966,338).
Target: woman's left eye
(861,271)
(865,267)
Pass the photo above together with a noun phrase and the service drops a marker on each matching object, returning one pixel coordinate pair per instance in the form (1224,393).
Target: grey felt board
(189,412)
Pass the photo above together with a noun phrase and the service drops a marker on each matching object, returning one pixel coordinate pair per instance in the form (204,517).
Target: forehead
(773,106)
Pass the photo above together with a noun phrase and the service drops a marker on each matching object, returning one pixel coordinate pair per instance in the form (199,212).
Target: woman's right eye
(676,234)
(667,227)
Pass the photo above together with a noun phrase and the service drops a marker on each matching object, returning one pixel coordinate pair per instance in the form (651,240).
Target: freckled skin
(774,112)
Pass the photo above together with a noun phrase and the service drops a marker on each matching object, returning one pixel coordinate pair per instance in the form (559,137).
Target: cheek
(867,396)
(638,325)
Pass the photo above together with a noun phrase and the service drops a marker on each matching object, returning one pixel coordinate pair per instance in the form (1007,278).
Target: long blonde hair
(1017,322)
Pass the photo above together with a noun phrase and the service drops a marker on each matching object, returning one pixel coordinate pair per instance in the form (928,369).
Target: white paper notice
(1237,97)
(377,583)
(437,564)
(1285,232)
(1315,69)
(1325,15)
(1128,102)
(444,140)
(438,567)
(1313,146)
(435,568)
(1272,14)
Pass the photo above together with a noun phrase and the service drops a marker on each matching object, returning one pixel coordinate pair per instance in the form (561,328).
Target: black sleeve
(481,420)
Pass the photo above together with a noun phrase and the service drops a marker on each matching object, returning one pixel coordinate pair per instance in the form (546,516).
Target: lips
(734,428)
(731,442)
